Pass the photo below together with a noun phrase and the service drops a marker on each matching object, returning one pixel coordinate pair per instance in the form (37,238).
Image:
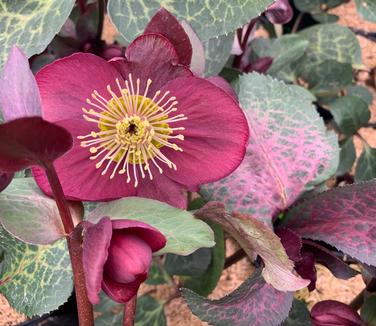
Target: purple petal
(331,313)
(119,292)
(19,94)
(165,24)
(151,235)
(31,141)
(95,251)
(280,12)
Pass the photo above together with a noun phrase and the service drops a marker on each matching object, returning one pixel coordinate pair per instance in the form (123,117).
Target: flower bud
(331,313)
(280,12)
(117,256)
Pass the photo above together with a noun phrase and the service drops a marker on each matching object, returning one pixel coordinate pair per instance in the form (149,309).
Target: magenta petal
(224,85)
(120,292)
(66,84)
(280,12)
(129,256)
(19,94)
(167,25)
(149,234)
(95,251)
(151,56)
(5,180)
(78,175)
(163,189)
(216,132)
(331,312)
(31,141)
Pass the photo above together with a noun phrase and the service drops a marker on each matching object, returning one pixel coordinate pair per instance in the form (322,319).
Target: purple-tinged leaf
(5,180)
(255,237)
(253,303)
(164,23)
(331,313)
(327,258)
(289,150)
(342,217)
(31,141)
(260,65)
(306,269)
(198,51)
(291,242)
(19,94)
(28,214)
(280,12)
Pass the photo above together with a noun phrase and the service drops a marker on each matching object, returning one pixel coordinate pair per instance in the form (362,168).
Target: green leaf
(316,6)
(150,312)
(329,42)
(350,113)
(207,282)
(184,233)
(299,315)
(35,279)
(31,24)
(366,166)
(347,156)
(324,18)
(328,77)
(108,312)
(367,9)
(368,311)
(28,214)
(217,52)
(361,92)
(284,50)
(191,265)
(157,275)
(131,16)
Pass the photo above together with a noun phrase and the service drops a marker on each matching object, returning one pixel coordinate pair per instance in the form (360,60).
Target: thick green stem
(74,239)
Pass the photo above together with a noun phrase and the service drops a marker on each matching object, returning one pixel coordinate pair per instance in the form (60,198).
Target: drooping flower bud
(117,256)
(279,12)
(331,312)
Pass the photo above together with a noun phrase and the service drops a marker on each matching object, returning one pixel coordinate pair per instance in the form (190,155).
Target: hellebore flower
(280,12)
(117,256)
(331,312)
(143,124)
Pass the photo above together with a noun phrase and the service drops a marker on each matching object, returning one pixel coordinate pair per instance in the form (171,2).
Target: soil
(328,287)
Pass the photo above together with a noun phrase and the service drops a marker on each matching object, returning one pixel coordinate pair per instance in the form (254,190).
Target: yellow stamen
(132,129)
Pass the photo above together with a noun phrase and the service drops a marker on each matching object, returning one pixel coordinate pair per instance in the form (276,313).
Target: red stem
(74,239)
(82,6)
(243,42)
(129,312)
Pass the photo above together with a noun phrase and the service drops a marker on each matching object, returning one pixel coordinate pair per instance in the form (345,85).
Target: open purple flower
(143,125)
(117,256)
